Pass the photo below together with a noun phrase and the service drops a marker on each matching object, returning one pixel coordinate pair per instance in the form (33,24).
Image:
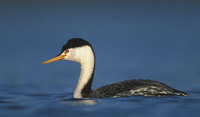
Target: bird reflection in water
(77,102)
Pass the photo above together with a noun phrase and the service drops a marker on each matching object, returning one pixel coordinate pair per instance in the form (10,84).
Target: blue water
(156,40)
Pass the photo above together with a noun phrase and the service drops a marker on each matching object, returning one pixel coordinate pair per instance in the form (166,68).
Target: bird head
(76,49)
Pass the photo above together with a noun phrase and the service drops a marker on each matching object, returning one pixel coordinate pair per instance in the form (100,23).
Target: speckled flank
(136,87)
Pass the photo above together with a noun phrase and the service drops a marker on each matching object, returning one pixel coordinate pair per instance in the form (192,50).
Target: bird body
(136,87)
(81,51)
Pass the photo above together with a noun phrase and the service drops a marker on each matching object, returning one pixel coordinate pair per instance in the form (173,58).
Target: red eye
(66,51)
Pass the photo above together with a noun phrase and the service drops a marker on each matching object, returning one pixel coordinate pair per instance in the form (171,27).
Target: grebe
(81,51)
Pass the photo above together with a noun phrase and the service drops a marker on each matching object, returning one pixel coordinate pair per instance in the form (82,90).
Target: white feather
(85,56)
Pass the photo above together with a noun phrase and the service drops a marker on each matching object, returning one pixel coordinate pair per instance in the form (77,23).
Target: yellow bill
(60,57)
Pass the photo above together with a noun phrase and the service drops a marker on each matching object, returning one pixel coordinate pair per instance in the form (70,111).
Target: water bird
(81,51)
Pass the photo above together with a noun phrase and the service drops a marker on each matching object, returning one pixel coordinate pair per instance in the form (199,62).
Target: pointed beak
(60,57)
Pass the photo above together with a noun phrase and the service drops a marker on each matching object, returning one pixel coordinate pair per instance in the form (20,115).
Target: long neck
(84,85)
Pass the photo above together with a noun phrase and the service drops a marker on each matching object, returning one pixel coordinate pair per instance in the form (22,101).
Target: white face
(79,54)
(82,55)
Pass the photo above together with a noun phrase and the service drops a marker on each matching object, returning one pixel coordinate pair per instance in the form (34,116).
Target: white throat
(85,56)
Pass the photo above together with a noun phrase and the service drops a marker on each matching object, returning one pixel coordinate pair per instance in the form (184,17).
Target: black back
(136,87)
